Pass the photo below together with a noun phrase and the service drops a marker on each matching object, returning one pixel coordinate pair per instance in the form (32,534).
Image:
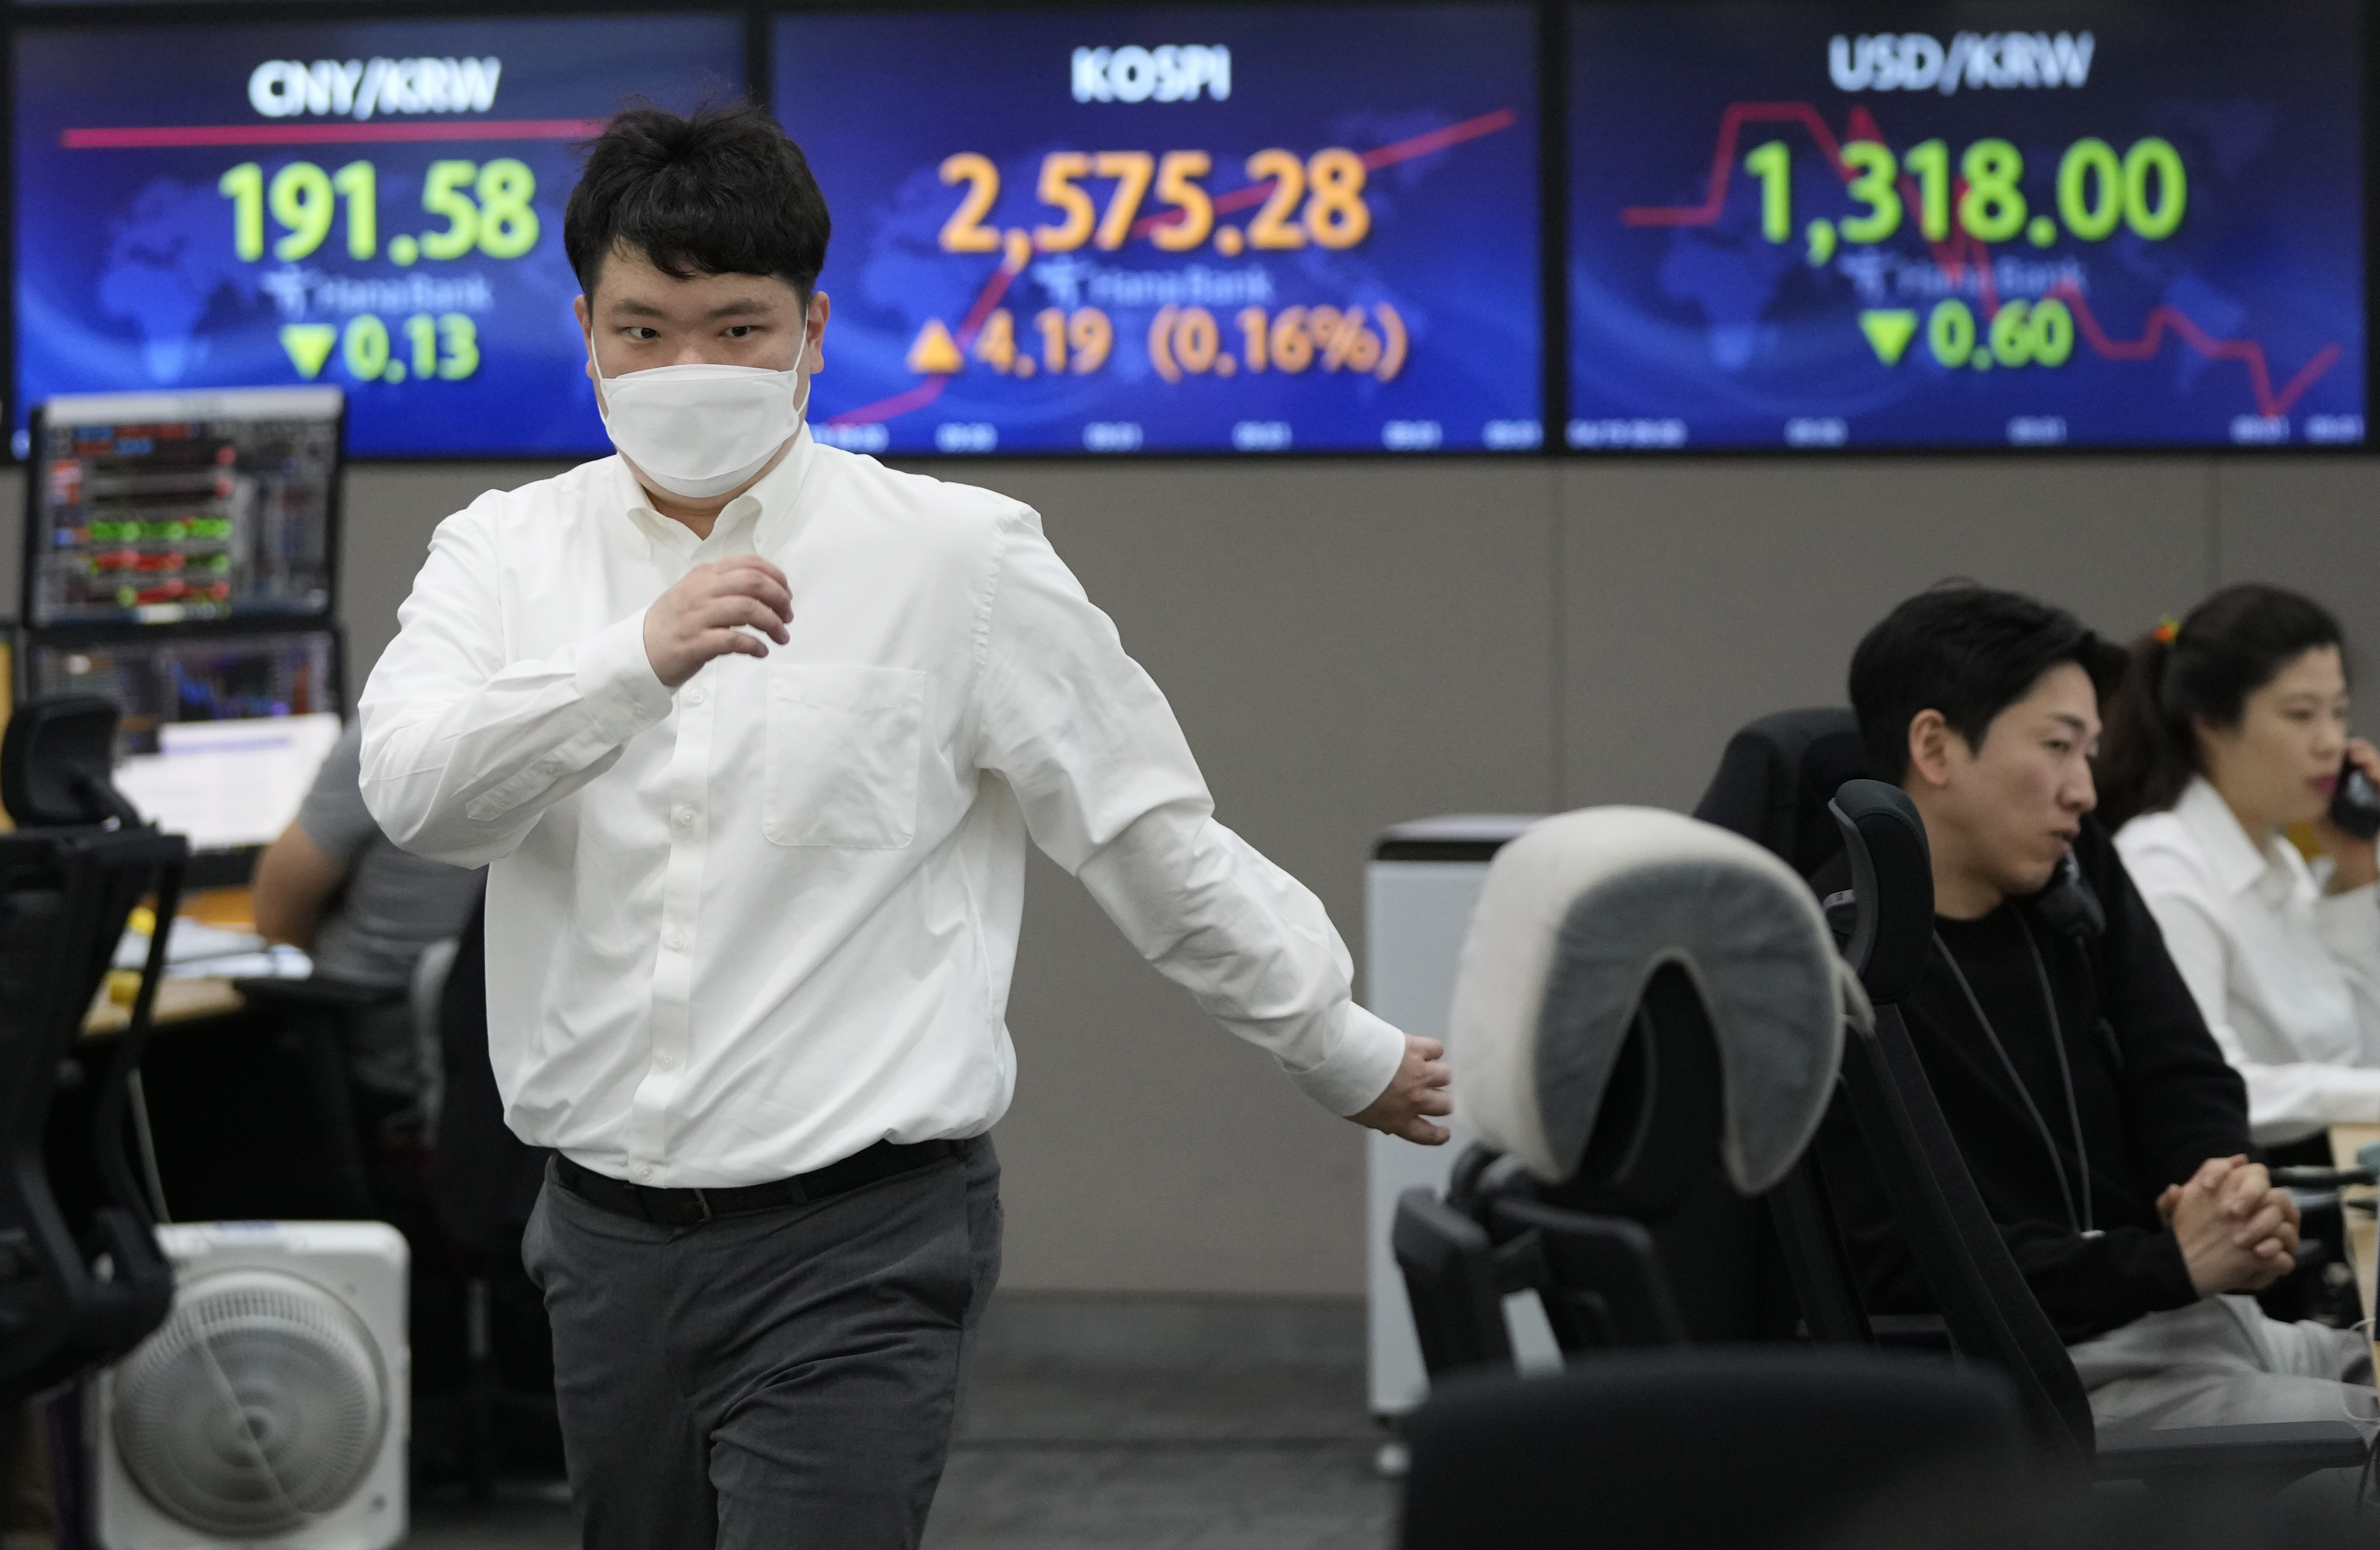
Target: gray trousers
(785,1378)
(2221,1362)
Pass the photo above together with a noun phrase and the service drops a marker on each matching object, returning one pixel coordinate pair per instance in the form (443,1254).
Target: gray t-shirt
(395,904)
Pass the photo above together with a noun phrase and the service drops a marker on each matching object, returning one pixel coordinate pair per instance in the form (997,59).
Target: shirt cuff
(1360,1066)
(616,683)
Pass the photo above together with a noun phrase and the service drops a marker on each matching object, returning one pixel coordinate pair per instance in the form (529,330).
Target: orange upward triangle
(935,354)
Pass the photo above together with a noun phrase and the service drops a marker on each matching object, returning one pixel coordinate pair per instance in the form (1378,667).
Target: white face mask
(701,429)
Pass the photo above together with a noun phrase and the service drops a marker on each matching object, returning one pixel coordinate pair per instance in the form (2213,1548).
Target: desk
(2363,1232)
(181,1001)
(178,1000)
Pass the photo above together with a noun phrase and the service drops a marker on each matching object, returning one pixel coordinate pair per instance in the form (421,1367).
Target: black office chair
(1656,1091)
(70,876)
(1695,1448)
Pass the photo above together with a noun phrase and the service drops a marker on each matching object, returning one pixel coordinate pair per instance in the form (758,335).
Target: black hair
(723,192)
(1969,652)
(2231,645)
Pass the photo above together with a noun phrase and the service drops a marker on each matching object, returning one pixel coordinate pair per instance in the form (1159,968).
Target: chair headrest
(1892,874)
(1575,919)
(56,760)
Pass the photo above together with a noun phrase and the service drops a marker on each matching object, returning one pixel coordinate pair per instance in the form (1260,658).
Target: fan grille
(258,1407)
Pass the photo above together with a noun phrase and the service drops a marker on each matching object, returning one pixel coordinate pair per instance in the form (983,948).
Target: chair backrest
(64,896)
(1696,1447)
(1977,1285)
(1776,777)
(1649,1021)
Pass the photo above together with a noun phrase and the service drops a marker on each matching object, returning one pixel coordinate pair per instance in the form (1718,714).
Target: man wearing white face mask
(750,733)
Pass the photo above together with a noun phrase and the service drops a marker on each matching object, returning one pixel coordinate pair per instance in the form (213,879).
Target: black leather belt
(692,1207)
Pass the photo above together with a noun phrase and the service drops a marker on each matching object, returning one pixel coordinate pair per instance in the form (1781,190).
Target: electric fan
(270,1409)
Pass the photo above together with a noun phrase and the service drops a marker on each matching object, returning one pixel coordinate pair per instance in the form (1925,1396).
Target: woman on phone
(2227,731)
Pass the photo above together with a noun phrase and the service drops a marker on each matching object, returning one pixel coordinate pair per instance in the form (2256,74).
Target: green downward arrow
(1888,333)
(308,345)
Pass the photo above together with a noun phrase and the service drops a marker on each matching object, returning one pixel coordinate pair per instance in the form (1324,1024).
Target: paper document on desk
(228,783)
(196,949)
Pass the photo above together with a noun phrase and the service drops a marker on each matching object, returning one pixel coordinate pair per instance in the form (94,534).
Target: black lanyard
(2080,1219)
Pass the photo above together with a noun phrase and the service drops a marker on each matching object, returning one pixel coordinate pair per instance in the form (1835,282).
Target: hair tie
(2168,630)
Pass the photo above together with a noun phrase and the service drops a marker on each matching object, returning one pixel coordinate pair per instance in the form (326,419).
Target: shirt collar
(2237,860)
(770,509)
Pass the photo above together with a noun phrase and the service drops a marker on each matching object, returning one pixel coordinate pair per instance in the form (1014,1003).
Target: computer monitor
(221,736)
(165,508)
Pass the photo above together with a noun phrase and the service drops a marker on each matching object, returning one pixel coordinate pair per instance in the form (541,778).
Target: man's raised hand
(1417,1091)
(697,619)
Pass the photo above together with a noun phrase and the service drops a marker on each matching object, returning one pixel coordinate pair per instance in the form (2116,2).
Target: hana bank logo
(287,88)
(1914,61)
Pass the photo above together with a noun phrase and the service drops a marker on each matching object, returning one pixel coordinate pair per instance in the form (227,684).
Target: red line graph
(1730,126)
(1254,194)
(1961,249)
(163,135)
(2245,351)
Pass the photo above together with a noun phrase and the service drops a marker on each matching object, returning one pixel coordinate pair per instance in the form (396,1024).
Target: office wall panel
(1697,597)
(2313,525)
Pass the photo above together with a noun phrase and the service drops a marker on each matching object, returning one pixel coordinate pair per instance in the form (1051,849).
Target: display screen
(1826,226)
(161,683)
(160,508)
(1189,230)
(376,206)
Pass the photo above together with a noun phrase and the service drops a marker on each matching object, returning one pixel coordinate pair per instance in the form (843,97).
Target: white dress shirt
(2288,978)
(744,928)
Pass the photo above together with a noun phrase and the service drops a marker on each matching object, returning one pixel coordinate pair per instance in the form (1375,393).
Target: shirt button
(664,1059)
(684,816)
(694,696)
(675,941)
(547,766)
(644,1173)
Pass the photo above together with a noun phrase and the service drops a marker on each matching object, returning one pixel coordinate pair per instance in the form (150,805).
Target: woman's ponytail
(2146,758)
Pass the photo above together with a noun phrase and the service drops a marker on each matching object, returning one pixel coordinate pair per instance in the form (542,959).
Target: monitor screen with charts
(166,508)
(221,736)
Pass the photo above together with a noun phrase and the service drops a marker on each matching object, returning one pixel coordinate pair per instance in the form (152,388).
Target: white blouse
(2288,978)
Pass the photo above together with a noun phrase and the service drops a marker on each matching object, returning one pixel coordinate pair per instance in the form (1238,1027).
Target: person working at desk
(2230,727)
(750,733)
(2107,1136)
(365,911)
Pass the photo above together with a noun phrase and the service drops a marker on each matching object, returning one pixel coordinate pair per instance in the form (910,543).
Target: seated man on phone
(2107,1136)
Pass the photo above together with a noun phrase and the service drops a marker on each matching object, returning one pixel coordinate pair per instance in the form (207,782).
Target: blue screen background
(879,101)
(1709,335)
(127,275)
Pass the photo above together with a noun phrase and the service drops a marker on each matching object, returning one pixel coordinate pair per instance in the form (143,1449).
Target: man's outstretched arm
(1111,791)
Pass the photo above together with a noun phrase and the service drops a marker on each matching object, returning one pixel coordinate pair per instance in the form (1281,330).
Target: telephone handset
(2355,803)
(2069,905)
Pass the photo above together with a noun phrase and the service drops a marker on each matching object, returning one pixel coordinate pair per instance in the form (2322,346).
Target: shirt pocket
(842,755)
